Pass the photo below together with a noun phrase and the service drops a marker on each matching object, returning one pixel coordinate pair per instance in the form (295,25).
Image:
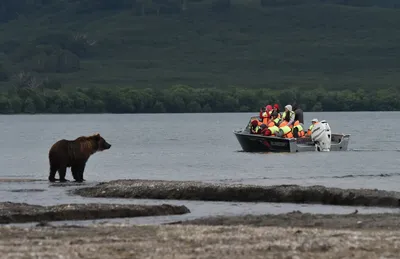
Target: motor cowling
(321,136)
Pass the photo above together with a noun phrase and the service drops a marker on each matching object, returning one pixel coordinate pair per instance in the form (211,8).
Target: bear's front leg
(78,173)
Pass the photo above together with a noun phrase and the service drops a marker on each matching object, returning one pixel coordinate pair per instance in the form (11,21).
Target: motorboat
(321,139)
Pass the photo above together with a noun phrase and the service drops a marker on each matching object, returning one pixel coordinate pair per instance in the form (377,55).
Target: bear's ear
(96,136)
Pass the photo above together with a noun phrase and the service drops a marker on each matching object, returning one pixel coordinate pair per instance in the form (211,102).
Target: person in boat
(264,117)
(263,128)
(269,131)
(298,130)
(288,117)
(313,122)
(262,112)
(265,114)
(298,114)
(255,128)
(274,119)
(284,132)
(277,110)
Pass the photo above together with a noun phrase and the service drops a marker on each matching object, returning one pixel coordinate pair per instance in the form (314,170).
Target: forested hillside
(198,55)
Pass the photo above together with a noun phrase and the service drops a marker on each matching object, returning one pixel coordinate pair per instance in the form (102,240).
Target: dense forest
(188,99)
(125,56)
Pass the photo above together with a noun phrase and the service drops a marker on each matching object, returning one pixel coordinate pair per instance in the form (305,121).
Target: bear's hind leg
(75,174)
(62,171)
(52,174)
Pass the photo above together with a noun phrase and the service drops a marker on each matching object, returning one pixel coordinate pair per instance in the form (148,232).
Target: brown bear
(74,153)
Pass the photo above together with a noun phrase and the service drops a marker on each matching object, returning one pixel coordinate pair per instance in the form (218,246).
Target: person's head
(269,107)
(288,108)
(276,107)
(295,106)
(263,126)
(313,121)
(254,123)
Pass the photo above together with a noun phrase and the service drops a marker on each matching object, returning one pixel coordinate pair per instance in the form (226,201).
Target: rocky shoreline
(22,212)
(191,190)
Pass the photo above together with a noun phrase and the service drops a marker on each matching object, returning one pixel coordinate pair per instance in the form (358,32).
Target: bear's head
(102,144)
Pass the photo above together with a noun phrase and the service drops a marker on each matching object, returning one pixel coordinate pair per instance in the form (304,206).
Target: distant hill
(269,43)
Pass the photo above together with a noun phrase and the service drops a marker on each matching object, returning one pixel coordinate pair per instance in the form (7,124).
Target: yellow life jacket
(286,130)
(300,132)
(299,127)
(255,129)
(310,129)
(273,129)
(284,115)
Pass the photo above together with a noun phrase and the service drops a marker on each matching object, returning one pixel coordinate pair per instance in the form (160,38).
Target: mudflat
(11,212)
(189,241)
(353,221)
(192,190)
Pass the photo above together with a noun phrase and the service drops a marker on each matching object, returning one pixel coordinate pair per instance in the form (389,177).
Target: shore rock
(22,212)
(191,190)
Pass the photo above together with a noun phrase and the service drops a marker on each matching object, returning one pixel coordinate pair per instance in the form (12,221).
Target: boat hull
(258,143)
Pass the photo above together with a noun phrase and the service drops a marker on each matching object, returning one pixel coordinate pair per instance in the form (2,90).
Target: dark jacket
(298,114)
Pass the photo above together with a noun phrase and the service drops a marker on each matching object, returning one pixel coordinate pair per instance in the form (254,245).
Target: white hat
(314,120)
(289,107)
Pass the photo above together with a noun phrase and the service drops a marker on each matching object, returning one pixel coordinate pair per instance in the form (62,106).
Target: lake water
(198,147)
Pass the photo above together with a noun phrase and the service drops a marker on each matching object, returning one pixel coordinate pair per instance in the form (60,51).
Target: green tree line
(181,98)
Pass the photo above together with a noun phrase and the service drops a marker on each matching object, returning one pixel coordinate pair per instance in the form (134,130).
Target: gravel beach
(188,241)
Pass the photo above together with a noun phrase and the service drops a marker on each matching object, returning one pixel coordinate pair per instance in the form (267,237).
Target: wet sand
(191,190)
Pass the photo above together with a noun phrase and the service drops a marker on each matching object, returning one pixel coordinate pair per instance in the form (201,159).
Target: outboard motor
(321,136)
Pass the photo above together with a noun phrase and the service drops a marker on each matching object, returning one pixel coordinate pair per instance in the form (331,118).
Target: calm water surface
(198,147)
